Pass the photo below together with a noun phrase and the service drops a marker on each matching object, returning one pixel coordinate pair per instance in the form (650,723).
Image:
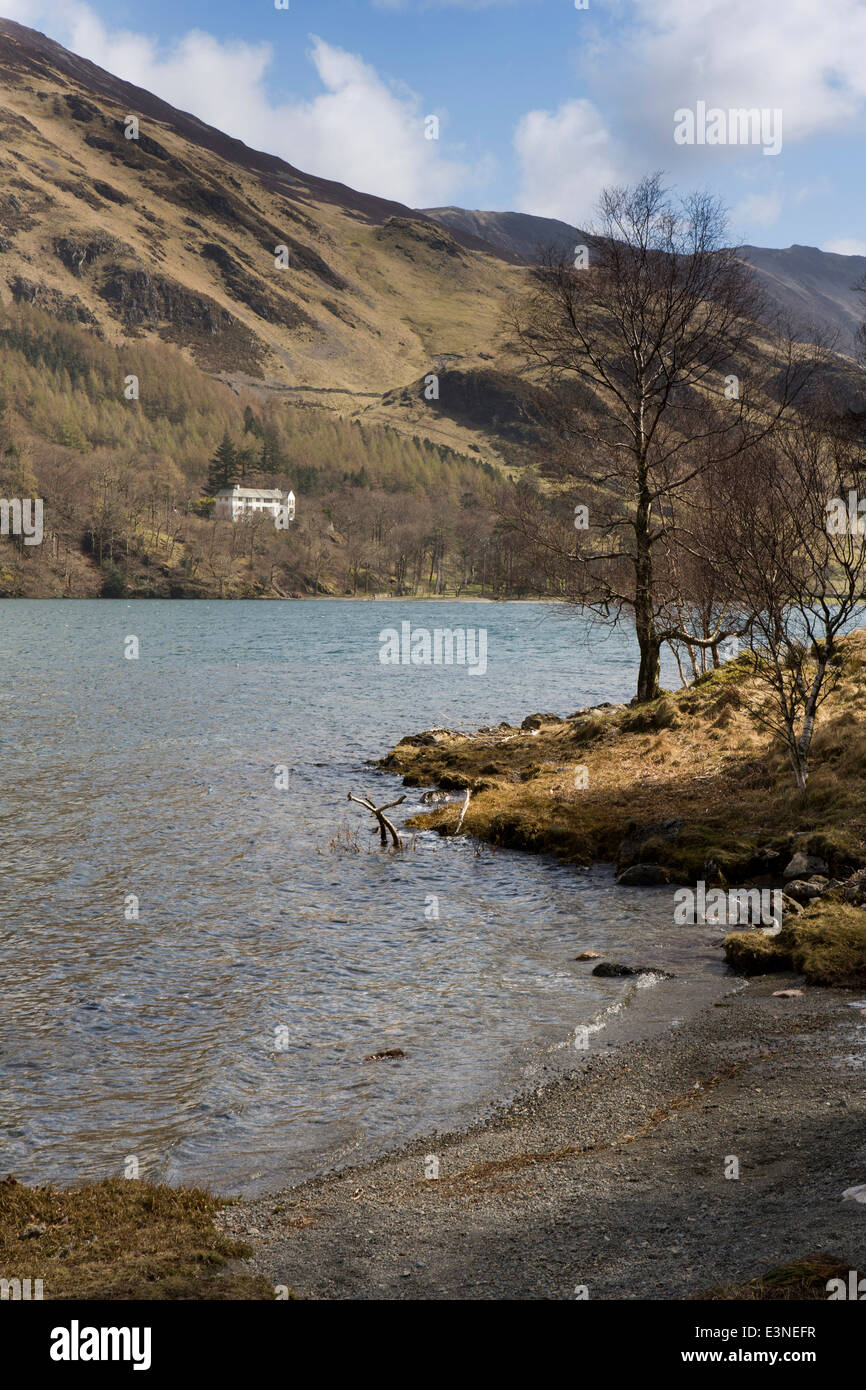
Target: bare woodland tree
(638,348)
(795,555)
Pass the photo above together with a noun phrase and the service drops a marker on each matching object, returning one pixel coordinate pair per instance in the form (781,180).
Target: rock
(380,1056)
(802,865)
(67,307)
(31,1232)
(535,721)
(588,955)
(854,888)
(855,1194)
(428,738)
(787,993)
(802,891)
(429,797)
(613,969)
(643,876)
(790,906)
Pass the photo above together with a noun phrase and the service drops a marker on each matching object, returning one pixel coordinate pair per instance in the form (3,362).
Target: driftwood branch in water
(385,826)
(463,812)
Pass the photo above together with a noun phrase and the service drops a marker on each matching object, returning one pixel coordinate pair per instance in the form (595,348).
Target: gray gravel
(612,1177)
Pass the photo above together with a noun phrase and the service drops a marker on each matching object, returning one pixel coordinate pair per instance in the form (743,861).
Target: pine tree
(252,423)
(223,469)
(273,460)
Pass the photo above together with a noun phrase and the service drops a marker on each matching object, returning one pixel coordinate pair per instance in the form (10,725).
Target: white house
(236,503)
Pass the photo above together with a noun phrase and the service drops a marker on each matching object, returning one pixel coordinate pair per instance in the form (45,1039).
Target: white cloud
(566,158)
(846,246)
(758,209)
(360,129)
(804,58)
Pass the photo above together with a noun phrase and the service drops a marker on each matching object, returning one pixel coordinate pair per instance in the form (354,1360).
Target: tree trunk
(648,675)
(644,618)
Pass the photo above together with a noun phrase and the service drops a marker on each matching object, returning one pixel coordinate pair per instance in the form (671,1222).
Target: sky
(540,104)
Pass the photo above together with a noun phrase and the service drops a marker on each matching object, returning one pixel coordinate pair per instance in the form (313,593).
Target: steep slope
(816,289)
(172,236)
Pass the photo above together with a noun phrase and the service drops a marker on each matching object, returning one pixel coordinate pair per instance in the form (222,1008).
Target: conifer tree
(223,469)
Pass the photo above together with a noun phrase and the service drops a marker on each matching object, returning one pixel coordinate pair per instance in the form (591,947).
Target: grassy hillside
(172,237)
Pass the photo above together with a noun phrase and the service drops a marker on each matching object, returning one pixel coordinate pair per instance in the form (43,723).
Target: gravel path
(612,1177)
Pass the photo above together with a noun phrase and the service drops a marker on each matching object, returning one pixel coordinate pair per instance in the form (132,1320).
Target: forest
(126,445)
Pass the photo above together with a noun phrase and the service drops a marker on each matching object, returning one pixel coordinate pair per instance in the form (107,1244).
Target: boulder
(588,955)
(802,891)
(430,797)
(804,865)
(644,876)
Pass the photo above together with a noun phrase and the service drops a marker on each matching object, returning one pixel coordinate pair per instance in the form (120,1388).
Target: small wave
(600,1020)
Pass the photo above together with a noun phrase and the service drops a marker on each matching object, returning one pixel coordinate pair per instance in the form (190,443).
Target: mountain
(517,234)
(172,237)
(816,289)
(177,310)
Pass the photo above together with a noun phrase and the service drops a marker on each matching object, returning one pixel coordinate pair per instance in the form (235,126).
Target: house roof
(272,494)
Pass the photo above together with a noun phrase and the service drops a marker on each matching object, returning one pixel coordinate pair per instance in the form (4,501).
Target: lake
(220,1035)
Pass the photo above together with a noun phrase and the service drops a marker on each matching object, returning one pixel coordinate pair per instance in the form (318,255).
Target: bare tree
(649,351)
(795,551)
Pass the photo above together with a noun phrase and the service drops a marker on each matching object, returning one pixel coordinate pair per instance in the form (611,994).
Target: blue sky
(540,104)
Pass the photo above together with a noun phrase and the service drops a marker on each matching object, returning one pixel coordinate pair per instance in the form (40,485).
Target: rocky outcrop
(242,285)
(61,306)
(79,253)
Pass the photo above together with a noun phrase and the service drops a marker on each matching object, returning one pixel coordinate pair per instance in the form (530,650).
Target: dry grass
(826,944)
(120,1239)
(696,755)
(362,337)
(799,1279)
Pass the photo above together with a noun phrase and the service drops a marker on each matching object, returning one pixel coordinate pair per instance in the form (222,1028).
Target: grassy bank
(120,1239)
(691,787)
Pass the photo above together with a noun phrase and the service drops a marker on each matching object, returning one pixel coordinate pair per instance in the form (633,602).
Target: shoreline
(685,1156)
(610,1175)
